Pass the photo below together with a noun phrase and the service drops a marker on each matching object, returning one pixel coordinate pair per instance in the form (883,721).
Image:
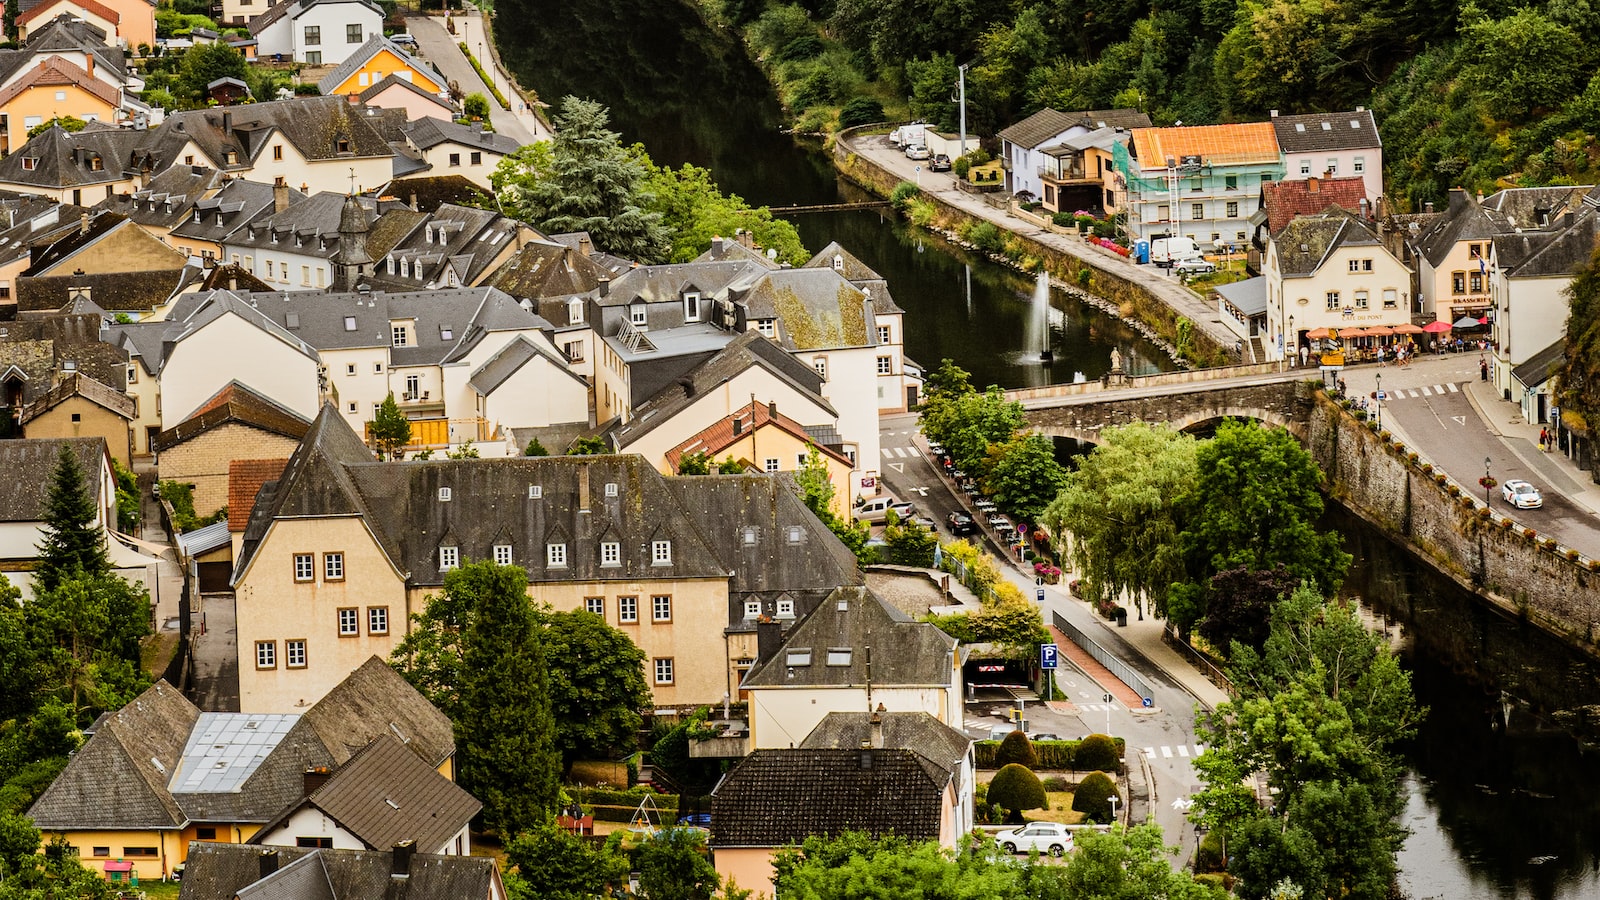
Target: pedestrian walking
(1544,439)
(1483,369)
(1305,354)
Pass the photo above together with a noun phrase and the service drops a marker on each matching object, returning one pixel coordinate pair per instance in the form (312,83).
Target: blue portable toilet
(1141,252)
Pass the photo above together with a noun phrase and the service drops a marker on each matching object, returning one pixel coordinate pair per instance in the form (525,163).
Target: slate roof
(721,434)
(238,203)
(30,465)
(1049,123)
(228,871)
(63,160)
(549,274)
(746,351)
(76,384)
(1283,200)
(918,732)
(774,798)
(245,478)
(118,778)
(1541,366)
(1465,219)
(364,54)
(1307,241)
(235,404)
(857,273)
(386,794)
(429,132)
(815,308)
(1556,252)
(144,342)
(314,125)
(374,700)
(903,651)
(427,193)
(451,246)
(1248,296)
(167,199)
(1318,132)
(308,227)
(111,291)
(511,359)
(1250,142)
(47,254)
(69,32)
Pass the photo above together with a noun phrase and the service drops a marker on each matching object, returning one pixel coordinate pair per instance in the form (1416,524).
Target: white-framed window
(628,610)
(575,311)
(1355,265)
(638,315)
(400,336)
(771,464)
(1359,164)
(1233,209)
(555,555)
(449,558)
(1333,165)
(660,553)
(661,608)
(752,609)
(305,567)
(764,326)
(333,566)
(785,609)
(352,33)
(1391,298)
(294,654)
(313,35)
(1305,167)
(691,307)
(413,387)
(885,365)
(795,534)
(1332,299)
(1361,299)
(820,363)
(535,491)
(883,334)
(610,553)
(663,670)
(266,654)
(611,489)
(502,554)
(444,495)
(377,620)
(349,621)
(596,605)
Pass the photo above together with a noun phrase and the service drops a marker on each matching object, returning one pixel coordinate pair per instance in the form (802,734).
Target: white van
(876,509)
(1166,251)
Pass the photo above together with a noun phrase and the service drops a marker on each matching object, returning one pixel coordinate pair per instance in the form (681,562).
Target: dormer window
(691,307)
(574,311)
(555,555)
(785,609)
(611,489)
(535,491)
(449,558)
(838,262)
(660,553)
(344,145)
(230,158)
(610,553)
(750,535)
(502,554)
(444,495)
(400,336)
(29,163)
(637,315)
(752,609)
(97,164)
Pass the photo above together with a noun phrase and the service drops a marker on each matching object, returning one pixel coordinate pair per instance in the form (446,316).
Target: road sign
(1108,698)
(1148,703)
(898,467)
(1047,656)
(1039,595)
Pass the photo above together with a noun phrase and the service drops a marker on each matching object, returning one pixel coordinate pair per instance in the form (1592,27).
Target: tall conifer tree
(72,541)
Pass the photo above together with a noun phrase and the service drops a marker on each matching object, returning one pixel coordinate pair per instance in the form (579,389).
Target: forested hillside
(1479,96)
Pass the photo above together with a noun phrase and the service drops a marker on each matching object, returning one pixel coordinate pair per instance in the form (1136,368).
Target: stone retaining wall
(1446,524)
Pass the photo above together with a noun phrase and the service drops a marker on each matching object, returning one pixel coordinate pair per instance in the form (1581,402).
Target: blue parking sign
(1047,656)
(1039,595)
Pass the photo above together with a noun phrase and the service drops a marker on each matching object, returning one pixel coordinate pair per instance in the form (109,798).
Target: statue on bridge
(1116,360)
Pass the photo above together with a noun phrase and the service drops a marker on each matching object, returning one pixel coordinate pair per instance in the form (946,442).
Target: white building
(1332,145)
(316,32)
(1022,145)
(1330,270)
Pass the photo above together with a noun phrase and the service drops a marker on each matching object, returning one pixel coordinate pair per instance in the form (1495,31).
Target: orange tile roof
(56,71)
(1249,142)
(720,435)
(99,9)
(245,478)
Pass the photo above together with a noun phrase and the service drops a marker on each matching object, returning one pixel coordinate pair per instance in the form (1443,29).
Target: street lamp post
(962,81)
(1486,482)
(1377,400)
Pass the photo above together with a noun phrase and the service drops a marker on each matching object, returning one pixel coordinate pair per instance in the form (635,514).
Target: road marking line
(1438,389)
(1166,752)
(1149,751)
(1426,392)
(886,452)
(1183,751)
(1460,420)
(912,451)
(901,468)
(1453,388)
(900,452)
(1414,395)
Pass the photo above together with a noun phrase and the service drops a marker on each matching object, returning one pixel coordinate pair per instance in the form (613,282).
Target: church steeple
(352,258)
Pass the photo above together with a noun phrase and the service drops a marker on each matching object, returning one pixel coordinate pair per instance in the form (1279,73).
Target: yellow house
(55,87)
(346,548)
(761,439)
(236,423)
(159,773)
(79,406)
(376,60)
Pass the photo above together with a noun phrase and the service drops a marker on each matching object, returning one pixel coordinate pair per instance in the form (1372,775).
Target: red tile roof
(245,478)
(1283,200)
(720,435)
(1249,142)
(90,6)
(57,71)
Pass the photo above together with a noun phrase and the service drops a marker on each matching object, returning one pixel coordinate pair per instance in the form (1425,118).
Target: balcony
(1065,175)
(417,404)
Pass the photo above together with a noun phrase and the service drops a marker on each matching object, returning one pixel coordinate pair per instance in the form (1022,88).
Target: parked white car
(1521,494)
(917,151)
(1046,837)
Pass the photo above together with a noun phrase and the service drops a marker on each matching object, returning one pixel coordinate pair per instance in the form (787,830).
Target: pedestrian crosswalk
(899,452)
(1424,391)
(1098,707)
(1184,751)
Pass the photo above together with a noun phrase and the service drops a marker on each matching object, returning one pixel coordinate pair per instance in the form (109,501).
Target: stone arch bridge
(1267,393)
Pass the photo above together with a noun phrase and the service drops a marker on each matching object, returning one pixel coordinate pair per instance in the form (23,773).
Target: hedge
(1051,754)
(483,76)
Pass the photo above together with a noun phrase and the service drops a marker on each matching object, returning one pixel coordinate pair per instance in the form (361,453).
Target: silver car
(1194,265)
(917,151)
(1046,837)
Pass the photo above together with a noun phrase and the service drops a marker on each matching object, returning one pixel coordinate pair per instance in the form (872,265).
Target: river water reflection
(1502,798)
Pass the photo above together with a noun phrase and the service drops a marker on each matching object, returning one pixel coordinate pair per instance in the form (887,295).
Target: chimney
(1366,209)
(604,284)
(716,245)
(1313,185)
(738,426)
(401,868)
(747,238)
(1273,114)
(585,246)
(772,409)
(1459,202)
(83,223)
(227,121)
(875,728)
(583,488)
(88,63)
(268,860)
(414,202)
(1428,207)
(315,777)
(280,196)
(1567,218)
(769,638)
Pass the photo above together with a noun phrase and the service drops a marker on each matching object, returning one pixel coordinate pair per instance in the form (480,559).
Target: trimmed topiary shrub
(1016,748)
(1098,752)
(1015,789)
(1093,797)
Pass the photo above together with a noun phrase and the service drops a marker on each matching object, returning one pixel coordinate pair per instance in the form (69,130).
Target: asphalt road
(1168,732)
(441,48)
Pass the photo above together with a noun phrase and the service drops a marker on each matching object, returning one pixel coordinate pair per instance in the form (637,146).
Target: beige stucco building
(236,423)
(1330,270)
(80,407)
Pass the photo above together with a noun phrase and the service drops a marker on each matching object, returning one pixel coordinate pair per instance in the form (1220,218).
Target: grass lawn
(160,890)
(1060,810)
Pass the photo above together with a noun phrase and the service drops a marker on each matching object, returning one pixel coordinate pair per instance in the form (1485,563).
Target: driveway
(441,48)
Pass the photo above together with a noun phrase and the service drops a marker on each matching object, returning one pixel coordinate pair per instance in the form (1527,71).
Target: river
(1502,799)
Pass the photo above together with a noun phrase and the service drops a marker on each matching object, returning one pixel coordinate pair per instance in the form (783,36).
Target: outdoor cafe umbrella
(1468,322)
(1380,331)
(1436,327)
(1317,334)
(1407,328)
(1354,332)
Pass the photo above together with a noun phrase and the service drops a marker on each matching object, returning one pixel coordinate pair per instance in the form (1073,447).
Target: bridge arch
(1085,417)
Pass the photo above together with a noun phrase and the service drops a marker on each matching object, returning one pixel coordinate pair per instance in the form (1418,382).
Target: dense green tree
(390,429)
(597,685)
(1525,63)
(1255,505)
(551,863)
(129,512)
(947,382)
(967,423)
(203,64)
(1015,748)
(1122,508)
(1127,864)
(476,107)
(73,543)
(1097,751)
(1093,797)
(910,543)
(592,184)
(589,446)
(55,873)
(1023,476)
(1239,605)
(1015,788)
(694,464)
(817,493)
(729,466)
(13,12)
(20,668)
(1579,380)
(860,111)
(694,210)
(504,726)
(535,448)
(674,864)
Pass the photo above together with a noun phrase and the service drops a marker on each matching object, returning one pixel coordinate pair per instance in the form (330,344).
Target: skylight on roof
(800,656)
(1299,126)
(1327,126)
(838,656)
(349,323)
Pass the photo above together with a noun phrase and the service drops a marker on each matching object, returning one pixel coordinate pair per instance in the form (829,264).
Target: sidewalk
(1167,289)
(441,48)
(1504,420)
